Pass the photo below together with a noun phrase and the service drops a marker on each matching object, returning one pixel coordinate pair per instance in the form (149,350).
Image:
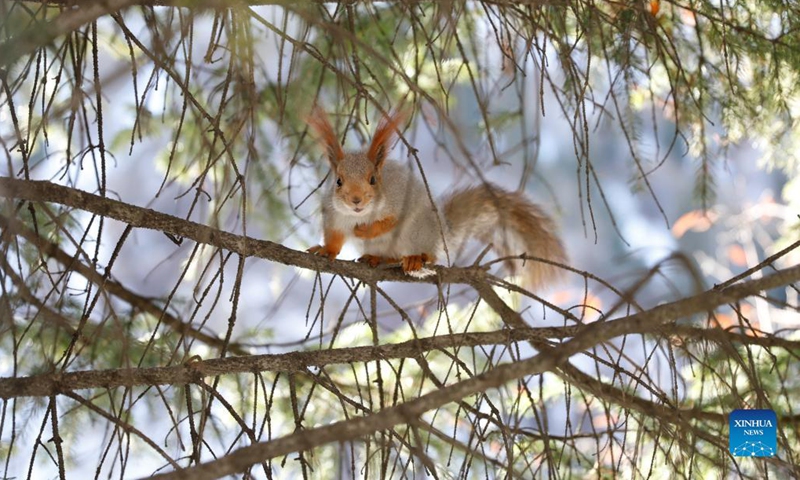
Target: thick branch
(56,383)
(42,191)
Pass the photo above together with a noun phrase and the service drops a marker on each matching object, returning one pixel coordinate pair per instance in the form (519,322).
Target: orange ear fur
(318,121)
(384,134)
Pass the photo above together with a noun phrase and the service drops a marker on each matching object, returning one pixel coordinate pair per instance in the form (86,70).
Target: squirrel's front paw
(363,230)
(323,250)
(376,228)
(413,263)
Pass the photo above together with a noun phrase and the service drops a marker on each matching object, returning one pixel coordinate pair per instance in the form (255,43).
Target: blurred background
(661,138)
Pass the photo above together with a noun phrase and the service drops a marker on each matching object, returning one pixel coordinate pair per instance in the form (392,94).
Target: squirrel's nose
(356,200)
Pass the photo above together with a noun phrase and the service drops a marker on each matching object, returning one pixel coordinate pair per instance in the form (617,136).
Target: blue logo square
(753,433)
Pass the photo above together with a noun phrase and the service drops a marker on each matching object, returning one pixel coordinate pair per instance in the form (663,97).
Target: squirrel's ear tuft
(384,134)
(318,120)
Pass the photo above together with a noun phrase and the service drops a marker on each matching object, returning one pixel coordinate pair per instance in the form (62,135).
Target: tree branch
(56,383)
(42,191)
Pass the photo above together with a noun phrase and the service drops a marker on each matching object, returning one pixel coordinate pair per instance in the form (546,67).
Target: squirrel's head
(357,175)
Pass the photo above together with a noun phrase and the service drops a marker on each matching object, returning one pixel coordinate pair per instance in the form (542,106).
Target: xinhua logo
(753,433)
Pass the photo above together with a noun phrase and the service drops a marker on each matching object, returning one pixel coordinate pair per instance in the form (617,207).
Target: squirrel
(384,207)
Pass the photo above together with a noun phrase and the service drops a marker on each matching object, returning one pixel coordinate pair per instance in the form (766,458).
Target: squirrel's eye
(338,182)
(372,180)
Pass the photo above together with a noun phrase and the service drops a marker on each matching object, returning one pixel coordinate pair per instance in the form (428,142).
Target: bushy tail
(511,223)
